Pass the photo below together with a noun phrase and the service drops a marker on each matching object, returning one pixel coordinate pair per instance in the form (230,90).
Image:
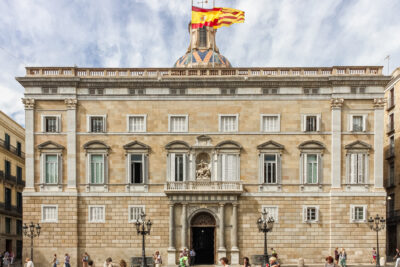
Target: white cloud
(153,33)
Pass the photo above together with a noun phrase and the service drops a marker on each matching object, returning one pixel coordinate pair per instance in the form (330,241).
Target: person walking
(397,258)
(329,262)
(85,259)
(374,254)
(224,261)
(122,263)
(183,260)
(343,258)
(246,262)
(273,262)
(192,258)
(157,259)
(29,262)
(54,262)
(337,255)
(273,253)
(108,262)
(67,258)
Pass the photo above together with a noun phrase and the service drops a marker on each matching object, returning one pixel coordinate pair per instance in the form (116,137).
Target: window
(137,123)
(179,167)
(19,227)
(310,214)
(358,90)
(177,91)
(50,124)
(19,149)
(272,211)
(7,141)
(134,213)
(311,91)
(136,168)
(229,167)
(357,123)
(270,123)
(96,91)
(7,168)
(310,123)
(203,37)
(178,123)
(49,90)
(358,168)
(391,173)
(7,198)
(19,173)
(97,124)
(270,169)
(97,214)
(19,202)
(391,98)
(228,91)
(311,168)
(8,225)
(228,123)
(51,168)
(391,146)
(49,213)
(270,91)
(390,126)
(96,168)
(178,163)
(358,213)
(136,91)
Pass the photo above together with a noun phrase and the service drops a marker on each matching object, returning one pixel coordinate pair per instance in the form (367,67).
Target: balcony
(390,153)
(204,187)
(10,178)
(393,216)
(12,149)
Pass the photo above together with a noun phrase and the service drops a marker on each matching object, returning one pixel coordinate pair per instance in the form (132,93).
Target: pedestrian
(337,255)
(29,262)
(54,262)
(157,259)
(343,258)
(6,259)
(11,257)
(66,260)
(246,262)
(192,255)
(108,262)
(329,262)
(1,259)
(273,253)
(397,257)
(122,263)
(85,259)
(224,261)
(273,262)
(183,260)
(373,255)
(90,263)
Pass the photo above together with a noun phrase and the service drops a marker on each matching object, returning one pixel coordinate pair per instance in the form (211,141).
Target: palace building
(203,148)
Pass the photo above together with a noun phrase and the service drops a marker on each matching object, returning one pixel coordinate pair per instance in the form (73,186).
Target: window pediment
(137,146)
(229,146)
(50,146)
(178,146)
(312,145)
(96,146)
(358,145)
(270,146)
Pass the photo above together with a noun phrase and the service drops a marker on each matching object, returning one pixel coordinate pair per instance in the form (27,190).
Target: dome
(207,58)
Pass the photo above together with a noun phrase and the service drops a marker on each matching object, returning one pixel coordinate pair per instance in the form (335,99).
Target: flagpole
(190,31)
(214,40)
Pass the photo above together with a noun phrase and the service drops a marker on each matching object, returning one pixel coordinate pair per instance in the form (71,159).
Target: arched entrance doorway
(203,237)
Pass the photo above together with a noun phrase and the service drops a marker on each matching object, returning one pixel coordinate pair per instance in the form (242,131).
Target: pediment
(312,145)
(203,141)
(96,144)
(358,145)
(270,145)
(136,145)
(177,145)
(50,145)
(229,145)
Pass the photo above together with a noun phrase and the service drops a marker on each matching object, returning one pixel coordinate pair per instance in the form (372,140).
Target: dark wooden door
(203,244)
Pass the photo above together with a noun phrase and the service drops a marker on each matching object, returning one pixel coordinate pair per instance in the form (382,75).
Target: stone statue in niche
(203,171)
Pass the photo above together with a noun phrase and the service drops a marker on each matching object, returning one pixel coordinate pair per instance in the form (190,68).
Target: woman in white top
(224,261)
(29,262)
(157,259)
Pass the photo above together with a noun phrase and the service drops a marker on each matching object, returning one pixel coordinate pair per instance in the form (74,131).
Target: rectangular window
(8,225)
(135,212)
(19,202)
(390,126)
(19,149)
(229,167)
(310,214)
(178,123)
(391,174)
(51,169)
(19,173)
(179,167)
(272,211)
(391,98)
(311,168)
(7,141)
(7,168)
(357,168)
(358,123)
(96,214)
(137,124)
(50,124)
(311,123)
(136,168)
(228,123)
(19,227)
(391,146)
(358,213)
(97,124)
(96,169)
(49,213)
(270,123)
(7,198)
(270,169)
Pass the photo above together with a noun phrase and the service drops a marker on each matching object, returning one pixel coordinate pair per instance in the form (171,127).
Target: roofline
(16,123)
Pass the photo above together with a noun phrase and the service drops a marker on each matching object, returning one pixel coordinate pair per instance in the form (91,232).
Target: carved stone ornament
(203,219)
(29,103)
(337,102)
(379,102)
(203,170)
(71,103)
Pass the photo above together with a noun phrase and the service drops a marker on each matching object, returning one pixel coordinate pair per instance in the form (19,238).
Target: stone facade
(12,181)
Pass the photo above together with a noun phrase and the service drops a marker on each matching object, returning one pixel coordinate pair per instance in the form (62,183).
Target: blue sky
(153,33)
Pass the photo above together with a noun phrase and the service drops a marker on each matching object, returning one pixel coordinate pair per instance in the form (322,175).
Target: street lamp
(265,225)
(376,224)
(29,231)
(143,228)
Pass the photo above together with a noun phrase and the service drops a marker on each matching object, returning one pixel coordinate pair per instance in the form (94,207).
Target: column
(336,142)
(29,143)
(171,243)
(234,235)
(71,143)
(379,104)
(184,226)
(221,233)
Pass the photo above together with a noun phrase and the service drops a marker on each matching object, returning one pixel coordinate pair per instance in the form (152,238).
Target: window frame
(262,125)
(128,124)
(130,207)
(89,123)
(42,219)
(104,158)
(353,214)
(102,220)
(304,169)
(304,122)
(351,122)
(277,163)
(44,165)
(305,214)
(144,168)
(44,120)
(349,166)
(220,128)
(170,118)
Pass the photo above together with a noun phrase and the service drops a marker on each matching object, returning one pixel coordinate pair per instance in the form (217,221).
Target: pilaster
(71,143)
(234,236)
(379,104)
(336,143)
(221,233)
(184,226)
(29,143)
(171,243)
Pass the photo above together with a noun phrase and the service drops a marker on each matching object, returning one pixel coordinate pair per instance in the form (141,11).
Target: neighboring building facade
(392,163)
(203,148)
(12,182)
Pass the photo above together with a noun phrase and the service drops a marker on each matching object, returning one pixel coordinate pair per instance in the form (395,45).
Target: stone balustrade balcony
(204,187)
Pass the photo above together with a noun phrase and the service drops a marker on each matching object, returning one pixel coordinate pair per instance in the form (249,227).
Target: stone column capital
(29,103)
(71,103)
(235,204)
(337,103)
(221,204)
(379,103)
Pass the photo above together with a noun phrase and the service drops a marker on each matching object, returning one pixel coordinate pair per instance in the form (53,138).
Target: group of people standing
(6,258)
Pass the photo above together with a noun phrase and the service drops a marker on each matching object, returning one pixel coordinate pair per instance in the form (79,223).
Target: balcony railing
(12,148)
(204,187)
(393,215)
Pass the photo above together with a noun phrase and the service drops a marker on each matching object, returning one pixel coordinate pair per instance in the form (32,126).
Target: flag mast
(214,40)
(190,31)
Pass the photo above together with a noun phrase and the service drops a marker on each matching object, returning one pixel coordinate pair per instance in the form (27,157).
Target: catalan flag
(216,17)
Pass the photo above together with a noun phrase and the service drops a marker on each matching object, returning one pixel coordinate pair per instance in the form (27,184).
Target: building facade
(392,164)
(203,149)
(12,182)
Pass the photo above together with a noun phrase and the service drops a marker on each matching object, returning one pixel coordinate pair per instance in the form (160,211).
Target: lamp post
(143,228)
(29,231)
(376,224)
(265,225)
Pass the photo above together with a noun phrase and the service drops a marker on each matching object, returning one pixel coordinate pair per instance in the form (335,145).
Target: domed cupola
(202,51)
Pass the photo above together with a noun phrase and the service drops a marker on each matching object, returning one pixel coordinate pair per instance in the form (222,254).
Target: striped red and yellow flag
(216,17)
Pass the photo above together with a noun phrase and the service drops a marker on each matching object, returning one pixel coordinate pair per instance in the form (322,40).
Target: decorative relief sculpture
(203,171)
(29,103)
(379,102)
(71,103)
(337,102)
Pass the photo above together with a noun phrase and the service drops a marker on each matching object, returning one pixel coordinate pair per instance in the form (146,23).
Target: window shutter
(318,123)
(88,123)
(350,123)
(128,168)
(353,213)
(366,168)
(301,174)
(146,169)
(105,123)
(364,213)
(58,124)
(348,168)
(353,168)
(364,118)
(185,166)
(220,165)
(261,178)
(303,122)
(278,169)
(172,164)
(305,159)
(60,169)
(304,214)
(360,171)
(317,214)
(43,123)
(320,169)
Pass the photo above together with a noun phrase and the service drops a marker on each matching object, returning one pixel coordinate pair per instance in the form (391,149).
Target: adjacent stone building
(203,148)
(392,163)
(12,182)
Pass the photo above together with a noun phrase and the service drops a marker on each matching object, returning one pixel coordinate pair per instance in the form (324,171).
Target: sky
(153,33)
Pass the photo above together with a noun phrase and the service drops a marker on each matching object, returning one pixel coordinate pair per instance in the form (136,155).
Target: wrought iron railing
(12,148)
